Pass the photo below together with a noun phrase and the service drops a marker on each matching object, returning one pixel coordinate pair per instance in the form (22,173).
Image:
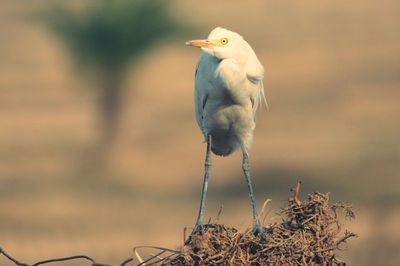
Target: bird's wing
(258,98)
(255,74)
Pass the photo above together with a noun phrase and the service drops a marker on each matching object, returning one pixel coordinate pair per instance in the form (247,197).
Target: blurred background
(100,151)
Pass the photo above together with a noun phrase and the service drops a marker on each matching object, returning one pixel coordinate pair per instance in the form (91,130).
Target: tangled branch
(18,263)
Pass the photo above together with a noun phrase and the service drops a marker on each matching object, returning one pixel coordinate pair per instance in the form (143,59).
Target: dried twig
(16,262)
(296,193)
(9,257)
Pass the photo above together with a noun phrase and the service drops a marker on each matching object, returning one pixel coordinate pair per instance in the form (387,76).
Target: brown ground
(308,233)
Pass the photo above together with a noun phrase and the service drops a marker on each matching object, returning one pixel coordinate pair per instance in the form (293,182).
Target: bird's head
(224,44)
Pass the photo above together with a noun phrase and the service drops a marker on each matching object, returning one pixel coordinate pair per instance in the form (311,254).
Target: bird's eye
(224,41)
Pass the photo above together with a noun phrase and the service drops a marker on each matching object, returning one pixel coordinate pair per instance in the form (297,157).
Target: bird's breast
(230,127)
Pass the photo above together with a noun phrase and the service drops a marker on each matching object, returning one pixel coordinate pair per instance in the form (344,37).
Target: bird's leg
(207,166)
(257,228)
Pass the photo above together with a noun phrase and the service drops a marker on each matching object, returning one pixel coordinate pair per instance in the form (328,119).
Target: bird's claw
(257,229)
(198,228)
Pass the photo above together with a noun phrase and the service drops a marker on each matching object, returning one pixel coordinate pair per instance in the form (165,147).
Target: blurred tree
(106,37)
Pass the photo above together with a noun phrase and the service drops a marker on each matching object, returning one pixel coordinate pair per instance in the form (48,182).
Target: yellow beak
(200,43)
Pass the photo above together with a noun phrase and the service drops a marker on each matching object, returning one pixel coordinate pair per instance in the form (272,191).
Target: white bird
(228,91)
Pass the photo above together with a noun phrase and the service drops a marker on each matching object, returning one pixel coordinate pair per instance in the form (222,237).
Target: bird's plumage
(228,91)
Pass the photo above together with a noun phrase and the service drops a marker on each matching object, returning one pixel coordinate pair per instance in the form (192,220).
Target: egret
(228,91)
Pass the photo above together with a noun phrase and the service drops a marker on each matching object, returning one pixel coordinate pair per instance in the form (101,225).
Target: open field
(332,83)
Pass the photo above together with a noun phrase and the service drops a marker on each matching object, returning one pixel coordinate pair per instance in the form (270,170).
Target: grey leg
(257,228)
(207,166)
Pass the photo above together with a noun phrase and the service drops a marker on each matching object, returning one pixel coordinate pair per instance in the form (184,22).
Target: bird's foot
(261,232)
(257,228)
(198,228)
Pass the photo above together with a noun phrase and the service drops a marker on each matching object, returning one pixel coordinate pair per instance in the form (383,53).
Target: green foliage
(109,34)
